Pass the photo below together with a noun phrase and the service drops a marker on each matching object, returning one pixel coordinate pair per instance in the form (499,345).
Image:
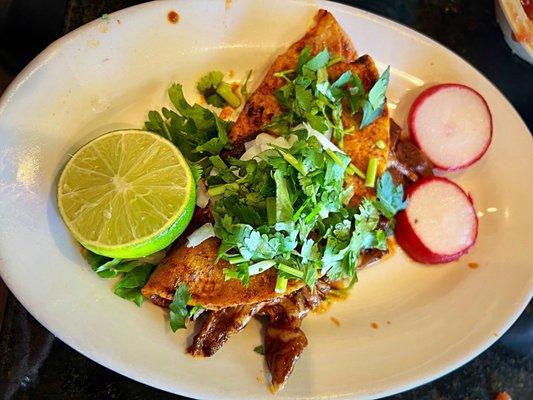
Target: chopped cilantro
(373,106)
(178,312)
(309,96)
(260,349)
(134,274)
(217,92)
(129,287)
(390,197)
(287,207)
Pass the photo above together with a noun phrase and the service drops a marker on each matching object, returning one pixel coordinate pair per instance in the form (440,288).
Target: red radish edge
(416,106)
(410,242)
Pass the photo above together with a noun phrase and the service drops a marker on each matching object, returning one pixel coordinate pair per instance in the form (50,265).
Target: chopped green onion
(281,284)
(291,271)
(270,203)
(244,87)
(352,169)
(220,189)
(236,260)
(218,162)
(298,212)
(314,212)
(224,91)
(294,162)
(335,60)
(281,74)
(260,266)
(335,157)
(371,171)
(380,144)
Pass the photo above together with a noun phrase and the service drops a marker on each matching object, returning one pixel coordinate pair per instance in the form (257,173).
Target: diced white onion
(262,142)
(202,198)
(260,267)
(199,235)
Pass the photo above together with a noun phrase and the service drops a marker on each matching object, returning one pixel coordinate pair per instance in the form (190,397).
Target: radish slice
(451,124)
(439,224)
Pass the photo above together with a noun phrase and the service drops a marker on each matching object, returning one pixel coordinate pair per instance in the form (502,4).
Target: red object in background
(528,7)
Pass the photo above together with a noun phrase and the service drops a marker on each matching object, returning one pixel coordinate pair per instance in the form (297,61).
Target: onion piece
(202,198)
(260,267)
(201,234)
(263,142)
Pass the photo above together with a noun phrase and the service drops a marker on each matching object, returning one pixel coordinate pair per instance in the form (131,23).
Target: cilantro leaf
(284,210)
(390,197)
(318,61)
(240,271)
(373,107)
(207,86)
(217,92)
(129,287)
(210,81)
(196,171)
(178,312)
(260,350)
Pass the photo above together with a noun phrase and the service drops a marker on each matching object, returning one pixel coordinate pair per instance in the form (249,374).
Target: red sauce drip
(473,265)
(374,325)
(335,321)
(173,17)
(528,7)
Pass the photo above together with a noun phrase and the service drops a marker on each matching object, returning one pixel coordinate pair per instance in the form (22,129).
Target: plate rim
(120,367)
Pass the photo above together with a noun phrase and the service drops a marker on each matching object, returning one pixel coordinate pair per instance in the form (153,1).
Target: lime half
(126,194)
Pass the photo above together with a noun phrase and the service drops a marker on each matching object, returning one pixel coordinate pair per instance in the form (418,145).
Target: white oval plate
(109,73)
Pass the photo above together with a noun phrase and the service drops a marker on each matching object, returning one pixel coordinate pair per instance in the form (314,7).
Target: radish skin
(416,242)
(452,124)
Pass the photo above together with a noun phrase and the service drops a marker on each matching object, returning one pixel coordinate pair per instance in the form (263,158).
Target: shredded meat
(284,340)
(405,159)
(219,326)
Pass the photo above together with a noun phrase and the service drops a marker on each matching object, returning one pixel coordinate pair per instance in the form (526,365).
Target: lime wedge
(126,194)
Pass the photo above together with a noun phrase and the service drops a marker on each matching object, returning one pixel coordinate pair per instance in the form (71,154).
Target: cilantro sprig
(133,273)
(309,96)
(197,131)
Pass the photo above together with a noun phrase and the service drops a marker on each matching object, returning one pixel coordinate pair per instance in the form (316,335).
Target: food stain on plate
(335,321)
(260,377)
(374,325)
(93,43)
(173,17)
(473,265)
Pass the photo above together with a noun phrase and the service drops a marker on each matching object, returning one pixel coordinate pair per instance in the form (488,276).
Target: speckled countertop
(35,365)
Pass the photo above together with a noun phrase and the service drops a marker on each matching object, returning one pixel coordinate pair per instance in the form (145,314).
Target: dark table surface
(36,365)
